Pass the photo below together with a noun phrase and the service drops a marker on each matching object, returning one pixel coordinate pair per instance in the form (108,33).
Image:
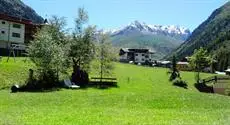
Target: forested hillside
(213,34)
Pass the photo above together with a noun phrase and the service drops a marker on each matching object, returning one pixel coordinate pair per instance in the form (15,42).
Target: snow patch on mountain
(150,29)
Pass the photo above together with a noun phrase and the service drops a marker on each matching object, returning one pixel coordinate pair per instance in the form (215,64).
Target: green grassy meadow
(144,96)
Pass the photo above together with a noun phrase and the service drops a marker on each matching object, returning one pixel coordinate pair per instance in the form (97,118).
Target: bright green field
(147,99)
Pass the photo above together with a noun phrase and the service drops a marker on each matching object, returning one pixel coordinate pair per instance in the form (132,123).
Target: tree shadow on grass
(59,87)
(15,89)
(102,85)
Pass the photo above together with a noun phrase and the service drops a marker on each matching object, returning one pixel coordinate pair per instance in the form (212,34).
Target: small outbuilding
(166,64)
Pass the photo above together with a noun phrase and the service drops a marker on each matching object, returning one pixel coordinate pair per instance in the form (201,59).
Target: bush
(44,81)
(47,79)
(180,83)
(48,53)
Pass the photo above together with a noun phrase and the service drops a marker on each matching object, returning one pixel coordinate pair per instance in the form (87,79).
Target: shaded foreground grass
(144,96)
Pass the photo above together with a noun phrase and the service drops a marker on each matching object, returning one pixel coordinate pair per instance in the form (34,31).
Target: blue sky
(109,14)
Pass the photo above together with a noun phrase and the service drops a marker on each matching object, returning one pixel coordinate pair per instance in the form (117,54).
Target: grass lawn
(146,98)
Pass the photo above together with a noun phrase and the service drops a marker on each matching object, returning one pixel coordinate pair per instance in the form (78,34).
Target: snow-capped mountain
(141,27)
(162,39)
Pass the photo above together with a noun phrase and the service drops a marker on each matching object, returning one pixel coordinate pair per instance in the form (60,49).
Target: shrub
(180,83)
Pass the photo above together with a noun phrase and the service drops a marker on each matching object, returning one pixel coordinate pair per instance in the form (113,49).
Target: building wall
(124,57)
(143,57)
(20,31)
(139,57)
(183,67)
(151,57)
(9,32)
(3,44)
(4,30)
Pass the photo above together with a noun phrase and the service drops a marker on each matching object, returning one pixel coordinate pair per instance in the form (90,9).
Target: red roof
(15,19)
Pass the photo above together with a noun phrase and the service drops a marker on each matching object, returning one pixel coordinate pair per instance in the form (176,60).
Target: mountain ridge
(211,34)
(170,30)
(162,39)
(17,8)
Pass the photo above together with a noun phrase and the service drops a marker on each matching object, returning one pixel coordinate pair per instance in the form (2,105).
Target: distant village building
(165,64)
(136,55)
(183,66)
(16,31)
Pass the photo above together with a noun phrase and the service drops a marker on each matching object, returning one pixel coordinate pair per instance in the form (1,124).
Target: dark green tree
(222,57)
(82,48)
(82,45)
(57,28)
(174,71)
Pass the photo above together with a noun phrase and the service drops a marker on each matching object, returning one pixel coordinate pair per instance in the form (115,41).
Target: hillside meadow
(144,96)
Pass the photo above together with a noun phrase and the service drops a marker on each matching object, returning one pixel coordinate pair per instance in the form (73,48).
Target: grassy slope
(148,98)
(13,72)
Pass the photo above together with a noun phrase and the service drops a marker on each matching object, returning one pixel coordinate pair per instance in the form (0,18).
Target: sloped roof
(165,62)
(183,63)
(137,50)
(125,49)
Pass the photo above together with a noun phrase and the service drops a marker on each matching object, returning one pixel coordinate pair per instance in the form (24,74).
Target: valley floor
(144,96)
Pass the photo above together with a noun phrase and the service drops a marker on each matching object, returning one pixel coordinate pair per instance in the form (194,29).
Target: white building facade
(143,57)
(136,55)
(11,33)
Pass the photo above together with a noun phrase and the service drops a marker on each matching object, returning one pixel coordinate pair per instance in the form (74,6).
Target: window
(143,59)
(3,32)
(143,54)
(3,22)
(17,26)
(136,54)
(16,35)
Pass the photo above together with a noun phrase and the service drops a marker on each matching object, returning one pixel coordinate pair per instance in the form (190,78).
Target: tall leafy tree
(199,60)
(47,52)
(57,29)
(105,55)
(82,45)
